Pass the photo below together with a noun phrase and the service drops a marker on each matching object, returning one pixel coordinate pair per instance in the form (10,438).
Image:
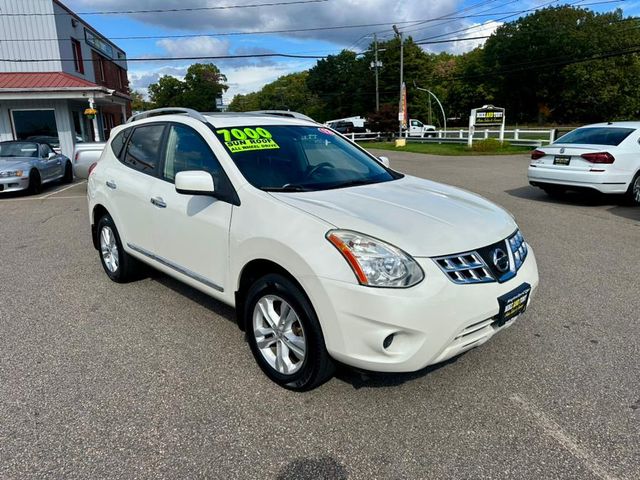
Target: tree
(138,103)
(289,92)
(344,84)
(535,63)
(201,87)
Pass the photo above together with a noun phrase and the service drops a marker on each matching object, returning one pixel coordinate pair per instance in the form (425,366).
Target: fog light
(387,341)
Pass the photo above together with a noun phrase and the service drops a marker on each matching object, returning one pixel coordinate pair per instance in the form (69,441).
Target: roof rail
(168,111)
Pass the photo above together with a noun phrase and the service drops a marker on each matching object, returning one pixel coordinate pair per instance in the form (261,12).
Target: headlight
(11,173)
(376,263)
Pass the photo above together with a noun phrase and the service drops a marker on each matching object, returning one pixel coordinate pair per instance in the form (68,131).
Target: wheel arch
(97,213)
(252,271)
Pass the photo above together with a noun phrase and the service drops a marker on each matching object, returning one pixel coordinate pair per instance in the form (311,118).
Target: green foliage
(289,92)
(488,145)
(201,86)
(138,103)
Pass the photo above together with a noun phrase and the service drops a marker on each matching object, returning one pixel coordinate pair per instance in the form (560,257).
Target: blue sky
(473,18)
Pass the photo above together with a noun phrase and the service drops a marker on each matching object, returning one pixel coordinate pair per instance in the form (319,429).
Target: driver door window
(187,150)
(45,150)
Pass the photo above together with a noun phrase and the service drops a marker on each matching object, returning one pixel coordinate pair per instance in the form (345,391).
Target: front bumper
(431,322)
(13,184)
(604,182)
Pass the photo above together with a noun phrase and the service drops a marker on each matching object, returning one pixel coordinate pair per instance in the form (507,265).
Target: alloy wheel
(636,190)
(109,249)
(279,334)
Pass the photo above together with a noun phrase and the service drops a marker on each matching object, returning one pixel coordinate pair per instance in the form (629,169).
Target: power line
(263,32)
(630,50)
(473,27)
(417,22)
(165,59)
(164,10)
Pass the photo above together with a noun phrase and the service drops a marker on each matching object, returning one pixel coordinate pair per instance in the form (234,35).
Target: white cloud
(477,30)
(195,46)
(332,12)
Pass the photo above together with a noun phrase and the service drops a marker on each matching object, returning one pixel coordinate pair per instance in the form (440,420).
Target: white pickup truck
(85,155)
(419,129)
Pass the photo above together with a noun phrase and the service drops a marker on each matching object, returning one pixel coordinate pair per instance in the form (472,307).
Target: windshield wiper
(286,188)
(352,183)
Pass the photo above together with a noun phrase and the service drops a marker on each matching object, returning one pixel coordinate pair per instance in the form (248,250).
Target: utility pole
(400,120)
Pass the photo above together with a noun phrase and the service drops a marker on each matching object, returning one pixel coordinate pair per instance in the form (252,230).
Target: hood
(15,163)
(423,218)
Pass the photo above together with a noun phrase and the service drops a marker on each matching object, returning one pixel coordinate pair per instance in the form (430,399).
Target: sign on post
(487,116)
(403,114)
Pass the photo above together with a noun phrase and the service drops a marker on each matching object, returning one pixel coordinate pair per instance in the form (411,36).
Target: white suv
(326,253)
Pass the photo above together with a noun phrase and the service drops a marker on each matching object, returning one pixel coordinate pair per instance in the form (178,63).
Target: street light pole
(375,46)
(444,117)
(399,34)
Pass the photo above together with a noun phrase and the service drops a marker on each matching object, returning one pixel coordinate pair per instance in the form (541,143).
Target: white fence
(518,136)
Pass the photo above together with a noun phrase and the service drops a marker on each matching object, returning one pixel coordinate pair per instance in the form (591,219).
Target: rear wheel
(68,173)
(35,183)
(633,194)
(118,264)
(284,334)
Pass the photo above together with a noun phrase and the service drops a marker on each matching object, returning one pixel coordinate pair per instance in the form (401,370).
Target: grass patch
(480,148)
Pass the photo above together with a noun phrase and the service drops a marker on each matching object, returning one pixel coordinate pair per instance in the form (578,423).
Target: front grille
(480,266)
(465,268)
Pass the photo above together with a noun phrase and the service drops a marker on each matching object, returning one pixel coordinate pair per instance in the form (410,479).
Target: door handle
(158,202)
(111,184)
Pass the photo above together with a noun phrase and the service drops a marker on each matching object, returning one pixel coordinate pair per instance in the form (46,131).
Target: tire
(633,194)
(277,341)
(118,264)
(68,173)
(35,183)
(554,191)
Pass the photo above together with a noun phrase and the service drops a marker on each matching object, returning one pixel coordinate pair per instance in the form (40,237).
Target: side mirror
(50,155)
(384,161)
(194,182)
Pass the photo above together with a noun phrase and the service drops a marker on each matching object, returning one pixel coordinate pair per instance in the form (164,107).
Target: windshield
(18,149)
(299,158)
(597,136)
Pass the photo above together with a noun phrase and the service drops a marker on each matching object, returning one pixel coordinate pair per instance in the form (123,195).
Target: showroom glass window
(34,123)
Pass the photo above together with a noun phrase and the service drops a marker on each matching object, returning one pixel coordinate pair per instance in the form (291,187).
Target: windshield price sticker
(326,131)
(246,139)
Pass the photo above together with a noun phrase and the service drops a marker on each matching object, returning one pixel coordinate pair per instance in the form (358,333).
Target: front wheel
(68,173)
(284,334)
(35,184)
(633,194)
(118,264)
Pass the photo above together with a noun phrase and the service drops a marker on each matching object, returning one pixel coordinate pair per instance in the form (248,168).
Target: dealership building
(60,79)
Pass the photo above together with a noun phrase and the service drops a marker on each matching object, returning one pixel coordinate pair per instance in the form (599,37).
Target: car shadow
(582,198)
(45,189)
(364,379)
(204,300)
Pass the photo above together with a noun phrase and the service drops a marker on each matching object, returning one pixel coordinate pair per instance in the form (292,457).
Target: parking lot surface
(154,380)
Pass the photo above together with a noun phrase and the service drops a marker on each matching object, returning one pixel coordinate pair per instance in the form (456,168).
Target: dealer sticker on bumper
(513,303)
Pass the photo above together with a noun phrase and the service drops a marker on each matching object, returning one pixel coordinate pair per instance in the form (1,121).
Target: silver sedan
(27,165)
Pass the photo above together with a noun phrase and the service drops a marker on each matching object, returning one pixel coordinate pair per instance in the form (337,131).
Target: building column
(94,121)
(123,108)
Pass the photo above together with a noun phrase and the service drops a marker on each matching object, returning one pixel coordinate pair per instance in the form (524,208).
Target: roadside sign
(486,116)
(403,114)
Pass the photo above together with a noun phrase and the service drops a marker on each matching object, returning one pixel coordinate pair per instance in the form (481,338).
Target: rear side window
(143,150)
(119,140)
(187,150)
(597,136)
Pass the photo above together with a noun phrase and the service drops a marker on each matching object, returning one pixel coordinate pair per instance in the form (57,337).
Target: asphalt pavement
(154,380)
